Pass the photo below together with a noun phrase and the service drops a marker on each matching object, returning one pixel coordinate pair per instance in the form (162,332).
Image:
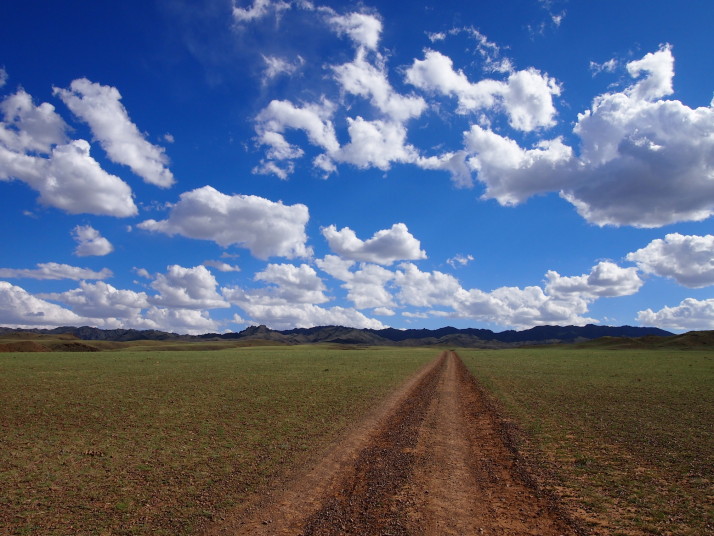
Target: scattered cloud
(264,227)
(19,308)
(222,266)
(688,259)
(100,107)
(276,66)
(258,10)
(34,149)
(90,242)
(3,77)
(53,270)
(385,247)
(526,97)
(28,128)
(101,300)
(459,260)
(606,279)
(364,29)
(690,314)
(187,288)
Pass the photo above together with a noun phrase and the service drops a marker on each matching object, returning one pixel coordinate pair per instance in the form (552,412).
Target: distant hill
(446,336)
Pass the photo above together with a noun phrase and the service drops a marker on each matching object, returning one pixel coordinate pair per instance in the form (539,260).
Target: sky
(206,165)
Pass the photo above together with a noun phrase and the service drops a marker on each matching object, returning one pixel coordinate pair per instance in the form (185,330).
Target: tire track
(434,463)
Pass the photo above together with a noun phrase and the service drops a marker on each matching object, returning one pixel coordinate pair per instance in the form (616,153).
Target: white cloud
(454,163)
(688,259)
(383,311)
(290,285)
(102,301)
(606,279)
(19,308)
(90,242)
(100,107)
(337,267)
(425,289)
(275,66)
(307,316)
(264,227)
(187,288)
(362,28)
(366,287)
(222,266)
(690,314)
(359,77)
(608,66)
(659,67)
(71,180)
(279,116)
(385,247)
(53,270)
(644,162)
(375,144)
(526,96)
(258,10)
(30,128)
(67,178)
(191,321)
(512,174)
(459,260)
(3,77)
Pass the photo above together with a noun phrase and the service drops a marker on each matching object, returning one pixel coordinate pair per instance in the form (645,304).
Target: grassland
(142,441)
(624,436)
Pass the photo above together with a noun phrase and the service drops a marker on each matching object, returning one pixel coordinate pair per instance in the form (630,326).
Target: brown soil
(434,460)
(23,346)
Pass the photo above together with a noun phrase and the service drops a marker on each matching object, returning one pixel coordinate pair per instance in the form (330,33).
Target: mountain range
(469,337)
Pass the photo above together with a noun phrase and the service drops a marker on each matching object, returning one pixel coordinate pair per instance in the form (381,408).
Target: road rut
(434,461)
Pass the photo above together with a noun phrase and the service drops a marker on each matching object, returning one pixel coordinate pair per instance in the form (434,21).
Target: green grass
(627,433)
(160,442)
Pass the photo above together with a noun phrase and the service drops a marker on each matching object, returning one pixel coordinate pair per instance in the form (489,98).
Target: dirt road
(432,461)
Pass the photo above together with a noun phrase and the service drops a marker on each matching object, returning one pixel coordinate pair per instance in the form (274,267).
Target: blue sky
(207,165)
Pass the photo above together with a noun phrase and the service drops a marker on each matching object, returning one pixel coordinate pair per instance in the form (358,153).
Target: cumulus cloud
(71,180)
(19,308)
(101,300)
(30,128)
(308,315)
(90,242)
(289,285)
(53,270)
(362,28)
(606,279)
(385,247)
(690,314)
(187,288)
(190,321)
(100,107)
(425,289)
(643,161)
(34,149)
(688,259)
(526,96)
(361,78)
(264,227)
(512,174)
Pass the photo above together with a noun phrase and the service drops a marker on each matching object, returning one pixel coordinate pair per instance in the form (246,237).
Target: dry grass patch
(146,442)
(627,433)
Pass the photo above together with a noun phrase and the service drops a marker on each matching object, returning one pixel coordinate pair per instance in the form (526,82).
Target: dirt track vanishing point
(433,460)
